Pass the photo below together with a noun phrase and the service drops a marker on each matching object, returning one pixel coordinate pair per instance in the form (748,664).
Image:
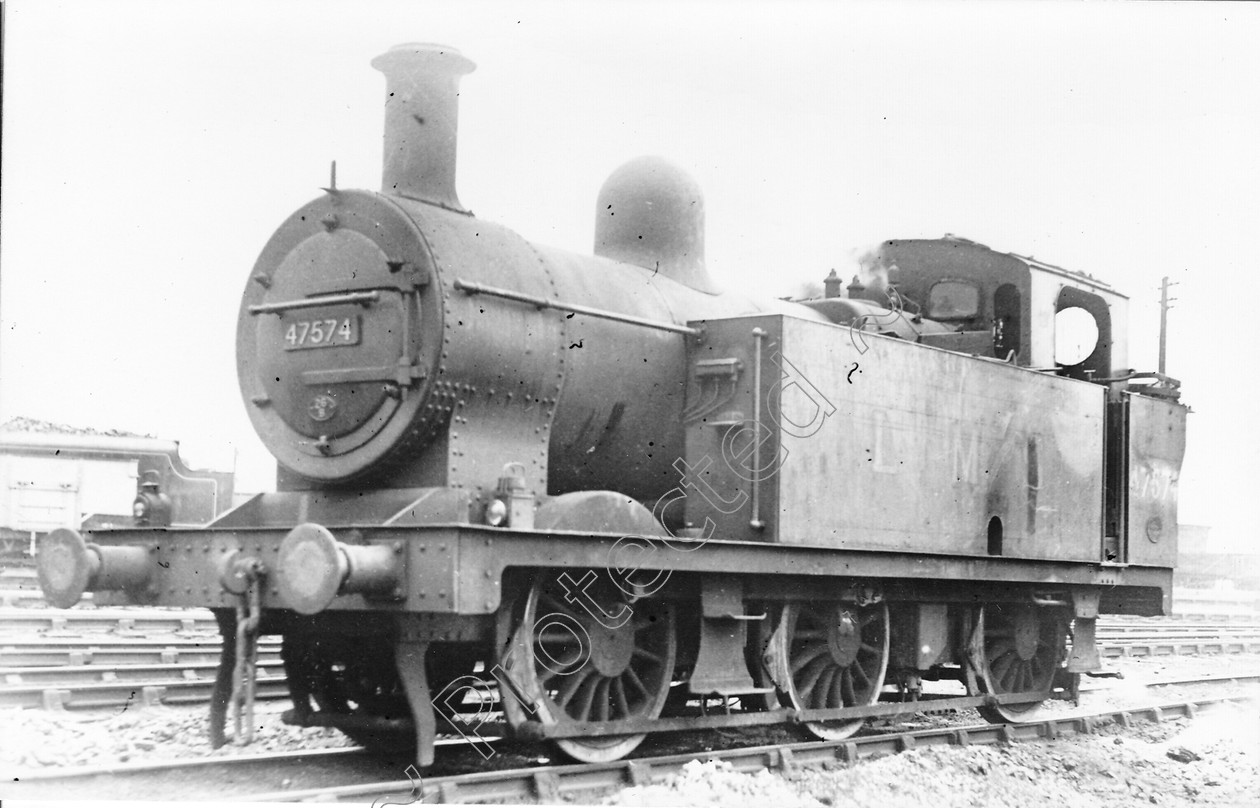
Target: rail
(552,784)
(233,773)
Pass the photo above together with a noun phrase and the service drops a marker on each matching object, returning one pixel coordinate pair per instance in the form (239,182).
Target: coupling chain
(244,671)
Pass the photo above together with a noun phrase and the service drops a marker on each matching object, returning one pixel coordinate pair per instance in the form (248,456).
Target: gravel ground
(36,739)
(1213,760)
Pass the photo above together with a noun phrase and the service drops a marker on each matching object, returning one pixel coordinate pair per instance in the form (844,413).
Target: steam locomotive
(52,476)
(636,503)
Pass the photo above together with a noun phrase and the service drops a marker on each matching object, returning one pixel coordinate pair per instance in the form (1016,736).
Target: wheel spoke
(619,694)
(556,637)
(578,692)
(835,690)
(818,682)
(817,693)
(846,688)
(1020,674)
(634,679)
(643,653)
(601,699)
(1004,669)
(556,656)
(1021,677)
(1003,666)
(571,684)
(809,676)
(998,650)
(1003,660)
(641,623)
(800,661)
(585,697)
(556,605)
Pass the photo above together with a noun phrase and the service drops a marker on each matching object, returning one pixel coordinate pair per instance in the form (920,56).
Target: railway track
(182,778)
(103,651)
(556,784)
(345,775)
(103,685)
(126,621)
(85,686)
(200,622)
(18,655)
(1178,647)
(97,658)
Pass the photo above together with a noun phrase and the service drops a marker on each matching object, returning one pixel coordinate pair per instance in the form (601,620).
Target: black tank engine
(626,496)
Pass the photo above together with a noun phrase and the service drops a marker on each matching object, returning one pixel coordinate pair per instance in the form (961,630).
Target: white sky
(150,149)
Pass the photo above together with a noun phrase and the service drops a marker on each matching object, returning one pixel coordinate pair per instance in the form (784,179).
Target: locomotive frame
(625,543)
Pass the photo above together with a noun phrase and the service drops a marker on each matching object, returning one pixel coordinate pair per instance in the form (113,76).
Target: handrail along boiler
(635,497)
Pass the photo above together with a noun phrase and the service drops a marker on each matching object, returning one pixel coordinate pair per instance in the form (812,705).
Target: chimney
(421,121)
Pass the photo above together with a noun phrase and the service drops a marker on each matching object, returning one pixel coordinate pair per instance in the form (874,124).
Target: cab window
(953,300)
(1075,336)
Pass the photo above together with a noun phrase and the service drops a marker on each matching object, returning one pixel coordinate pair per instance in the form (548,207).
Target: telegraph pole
(1165,303)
